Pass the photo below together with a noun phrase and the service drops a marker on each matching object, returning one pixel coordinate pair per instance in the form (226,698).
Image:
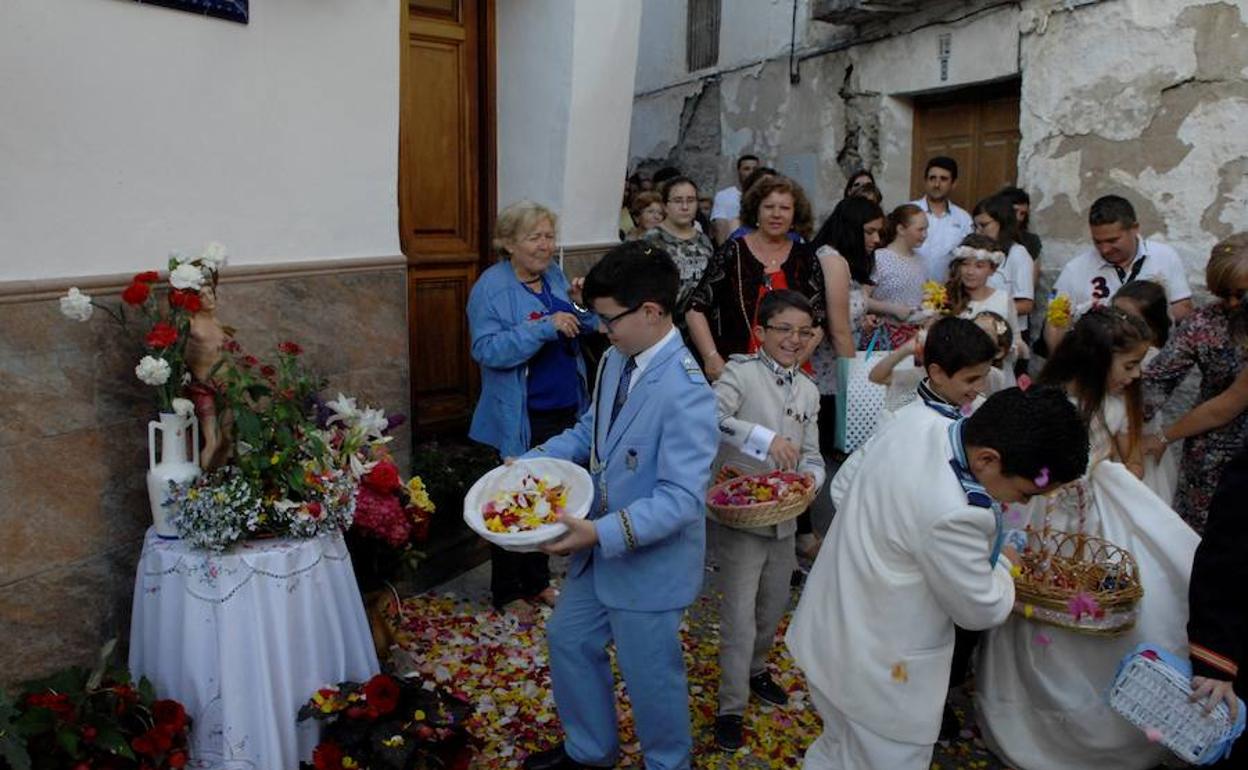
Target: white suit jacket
(906,558)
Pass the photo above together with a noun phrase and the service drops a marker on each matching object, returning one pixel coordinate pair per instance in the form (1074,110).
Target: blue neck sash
(976,494)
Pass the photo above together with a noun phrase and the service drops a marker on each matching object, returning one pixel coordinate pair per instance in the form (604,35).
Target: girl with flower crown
(1041,689)
(969,290)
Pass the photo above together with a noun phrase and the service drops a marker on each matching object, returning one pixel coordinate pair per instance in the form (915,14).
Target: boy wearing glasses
(637,559)
(768,413)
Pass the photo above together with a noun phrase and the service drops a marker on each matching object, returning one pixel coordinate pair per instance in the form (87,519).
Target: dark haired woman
(1040,688)
(721,314)
(688,247)
(995,217)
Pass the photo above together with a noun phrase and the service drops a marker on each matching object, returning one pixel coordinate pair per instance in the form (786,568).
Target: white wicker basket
(1153,695)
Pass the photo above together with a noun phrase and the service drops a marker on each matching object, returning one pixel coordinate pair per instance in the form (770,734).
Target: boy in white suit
(637,559)
(769,418)
(915,549)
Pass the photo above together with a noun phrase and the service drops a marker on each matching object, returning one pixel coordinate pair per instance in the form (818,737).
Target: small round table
(244,637)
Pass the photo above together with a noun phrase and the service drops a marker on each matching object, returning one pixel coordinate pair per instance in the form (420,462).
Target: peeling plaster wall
(1146,98)
(1159,116)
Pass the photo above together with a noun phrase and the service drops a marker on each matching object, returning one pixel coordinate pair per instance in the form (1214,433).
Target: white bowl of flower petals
(514,506)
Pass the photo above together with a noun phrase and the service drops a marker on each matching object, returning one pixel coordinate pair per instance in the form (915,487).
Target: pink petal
(1153,734)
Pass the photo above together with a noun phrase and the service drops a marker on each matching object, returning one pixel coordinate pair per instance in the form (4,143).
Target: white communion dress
(1041,690)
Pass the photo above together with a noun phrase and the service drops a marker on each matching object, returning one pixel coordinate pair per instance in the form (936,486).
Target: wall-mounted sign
(233,10)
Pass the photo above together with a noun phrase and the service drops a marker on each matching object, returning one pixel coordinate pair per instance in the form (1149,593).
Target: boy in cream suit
(637,559)
(916,548)
(769,418)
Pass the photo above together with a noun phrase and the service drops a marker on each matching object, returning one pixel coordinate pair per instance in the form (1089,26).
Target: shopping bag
(859,401)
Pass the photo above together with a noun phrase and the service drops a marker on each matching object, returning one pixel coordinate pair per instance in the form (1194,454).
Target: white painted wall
(534,60)
(131,130)
(565,98)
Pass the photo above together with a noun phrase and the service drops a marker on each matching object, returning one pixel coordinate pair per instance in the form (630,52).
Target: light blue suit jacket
(654,464)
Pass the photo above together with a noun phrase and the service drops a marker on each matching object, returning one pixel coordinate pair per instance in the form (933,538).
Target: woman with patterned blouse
(722,309)
(688,246)
(1215,340)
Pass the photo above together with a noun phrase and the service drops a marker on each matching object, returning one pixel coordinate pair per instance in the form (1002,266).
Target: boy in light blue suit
(637,560)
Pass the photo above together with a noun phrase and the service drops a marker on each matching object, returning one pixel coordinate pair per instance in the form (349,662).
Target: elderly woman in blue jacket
(525,321)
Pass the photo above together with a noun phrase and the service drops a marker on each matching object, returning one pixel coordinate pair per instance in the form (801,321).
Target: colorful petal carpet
(498,662)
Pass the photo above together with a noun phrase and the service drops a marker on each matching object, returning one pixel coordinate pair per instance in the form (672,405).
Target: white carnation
(183,407)
(152,370)
(76,305)
(187,276)
(213,256)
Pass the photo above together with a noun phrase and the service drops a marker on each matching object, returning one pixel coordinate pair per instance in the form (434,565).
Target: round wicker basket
(1060,570)
(758,514)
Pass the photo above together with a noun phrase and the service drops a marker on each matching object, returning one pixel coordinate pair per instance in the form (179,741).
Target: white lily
(344,410)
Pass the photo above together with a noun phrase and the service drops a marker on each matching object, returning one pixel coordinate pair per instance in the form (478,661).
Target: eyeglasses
(804,333)
(610,321)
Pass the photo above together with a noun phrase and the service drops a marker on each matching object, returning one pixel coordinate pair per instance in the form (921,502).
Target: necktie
(621,390)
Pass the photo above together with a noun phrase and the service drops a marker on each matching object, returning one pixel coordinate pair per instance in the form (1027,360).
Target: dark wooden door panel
(446,187)
(977,128)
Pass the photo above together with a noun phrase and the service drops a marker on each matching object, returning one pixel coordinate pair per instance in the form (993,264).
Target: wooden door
(976,127)
(446,195)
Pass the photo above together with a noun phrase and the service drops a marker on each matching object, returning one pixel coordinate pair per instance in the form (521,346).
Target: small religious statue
(203,358)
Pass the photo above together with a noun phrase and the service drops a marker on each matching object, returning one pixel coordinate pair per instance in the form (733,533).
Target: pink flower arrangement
(380,515)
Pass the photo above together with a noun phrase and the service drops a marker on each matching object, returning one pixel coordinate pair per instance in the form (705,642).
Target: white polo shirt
(944,234)
(1088,277)
(1015,278)
(727,204)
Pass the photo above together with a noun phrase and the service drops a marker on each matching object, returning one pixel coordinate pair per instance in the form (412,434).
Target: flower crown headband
(979,255)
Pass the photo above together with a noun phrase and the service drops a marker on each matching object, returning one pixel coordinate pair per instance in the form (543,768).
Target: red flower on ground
(186,299)
(327,756)
(161,336)
(384,477)
(289,348)
(147,276)
(136,293)
(170,713)
(382,693)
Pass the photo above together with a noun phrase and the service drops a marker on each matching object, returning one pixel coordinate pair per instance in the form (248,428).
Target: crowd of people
(732,323)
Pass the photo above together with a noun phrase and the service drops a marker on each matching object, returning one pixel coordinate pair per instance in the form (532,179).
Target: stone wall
(1141,97)
(73,444)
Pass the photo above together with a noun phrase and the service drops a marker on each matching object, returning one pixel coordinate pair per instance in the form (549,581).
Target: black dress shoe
(766,688)
(729,733)
(553,759)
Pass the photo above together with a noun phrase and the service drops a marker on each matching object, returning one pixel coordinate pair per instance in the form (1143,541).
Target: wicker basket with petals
(796,493)
(1077,581)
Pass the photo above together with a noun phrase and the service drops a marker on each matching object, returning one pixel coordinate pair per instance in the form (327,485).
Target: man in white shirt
(1119,255)
(726,209)
(947,224)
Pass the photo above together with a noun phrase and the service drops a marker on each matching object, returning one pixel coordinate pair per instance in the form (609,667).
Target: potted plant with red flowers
(388,723)
(95,719)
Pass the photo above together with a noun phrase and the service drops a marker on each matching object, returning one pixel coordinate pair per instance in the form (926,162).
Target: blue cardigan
(504,337)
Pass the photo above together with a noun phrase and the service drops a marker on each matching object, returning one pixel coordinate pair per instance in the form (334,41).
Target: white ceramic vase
(178,462)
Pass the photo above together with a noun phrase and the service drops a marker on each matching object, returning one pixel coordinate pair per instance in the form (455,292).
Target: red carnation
(249,361)
(177,760)
(58,703)
(289,348)
(136,293)
(170,713)
(384,477)
(231,345)
(268,371)
(161,336)
(382,693)
(186,299)
(147,276)
(327,756)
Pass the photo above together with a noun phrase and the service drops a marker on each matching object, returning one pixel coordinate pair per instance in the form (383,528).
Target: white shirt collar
(643,358)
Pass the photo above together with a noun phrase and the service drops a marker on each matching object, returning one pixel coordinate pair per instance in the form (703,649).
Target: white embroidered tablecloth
(244,637)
